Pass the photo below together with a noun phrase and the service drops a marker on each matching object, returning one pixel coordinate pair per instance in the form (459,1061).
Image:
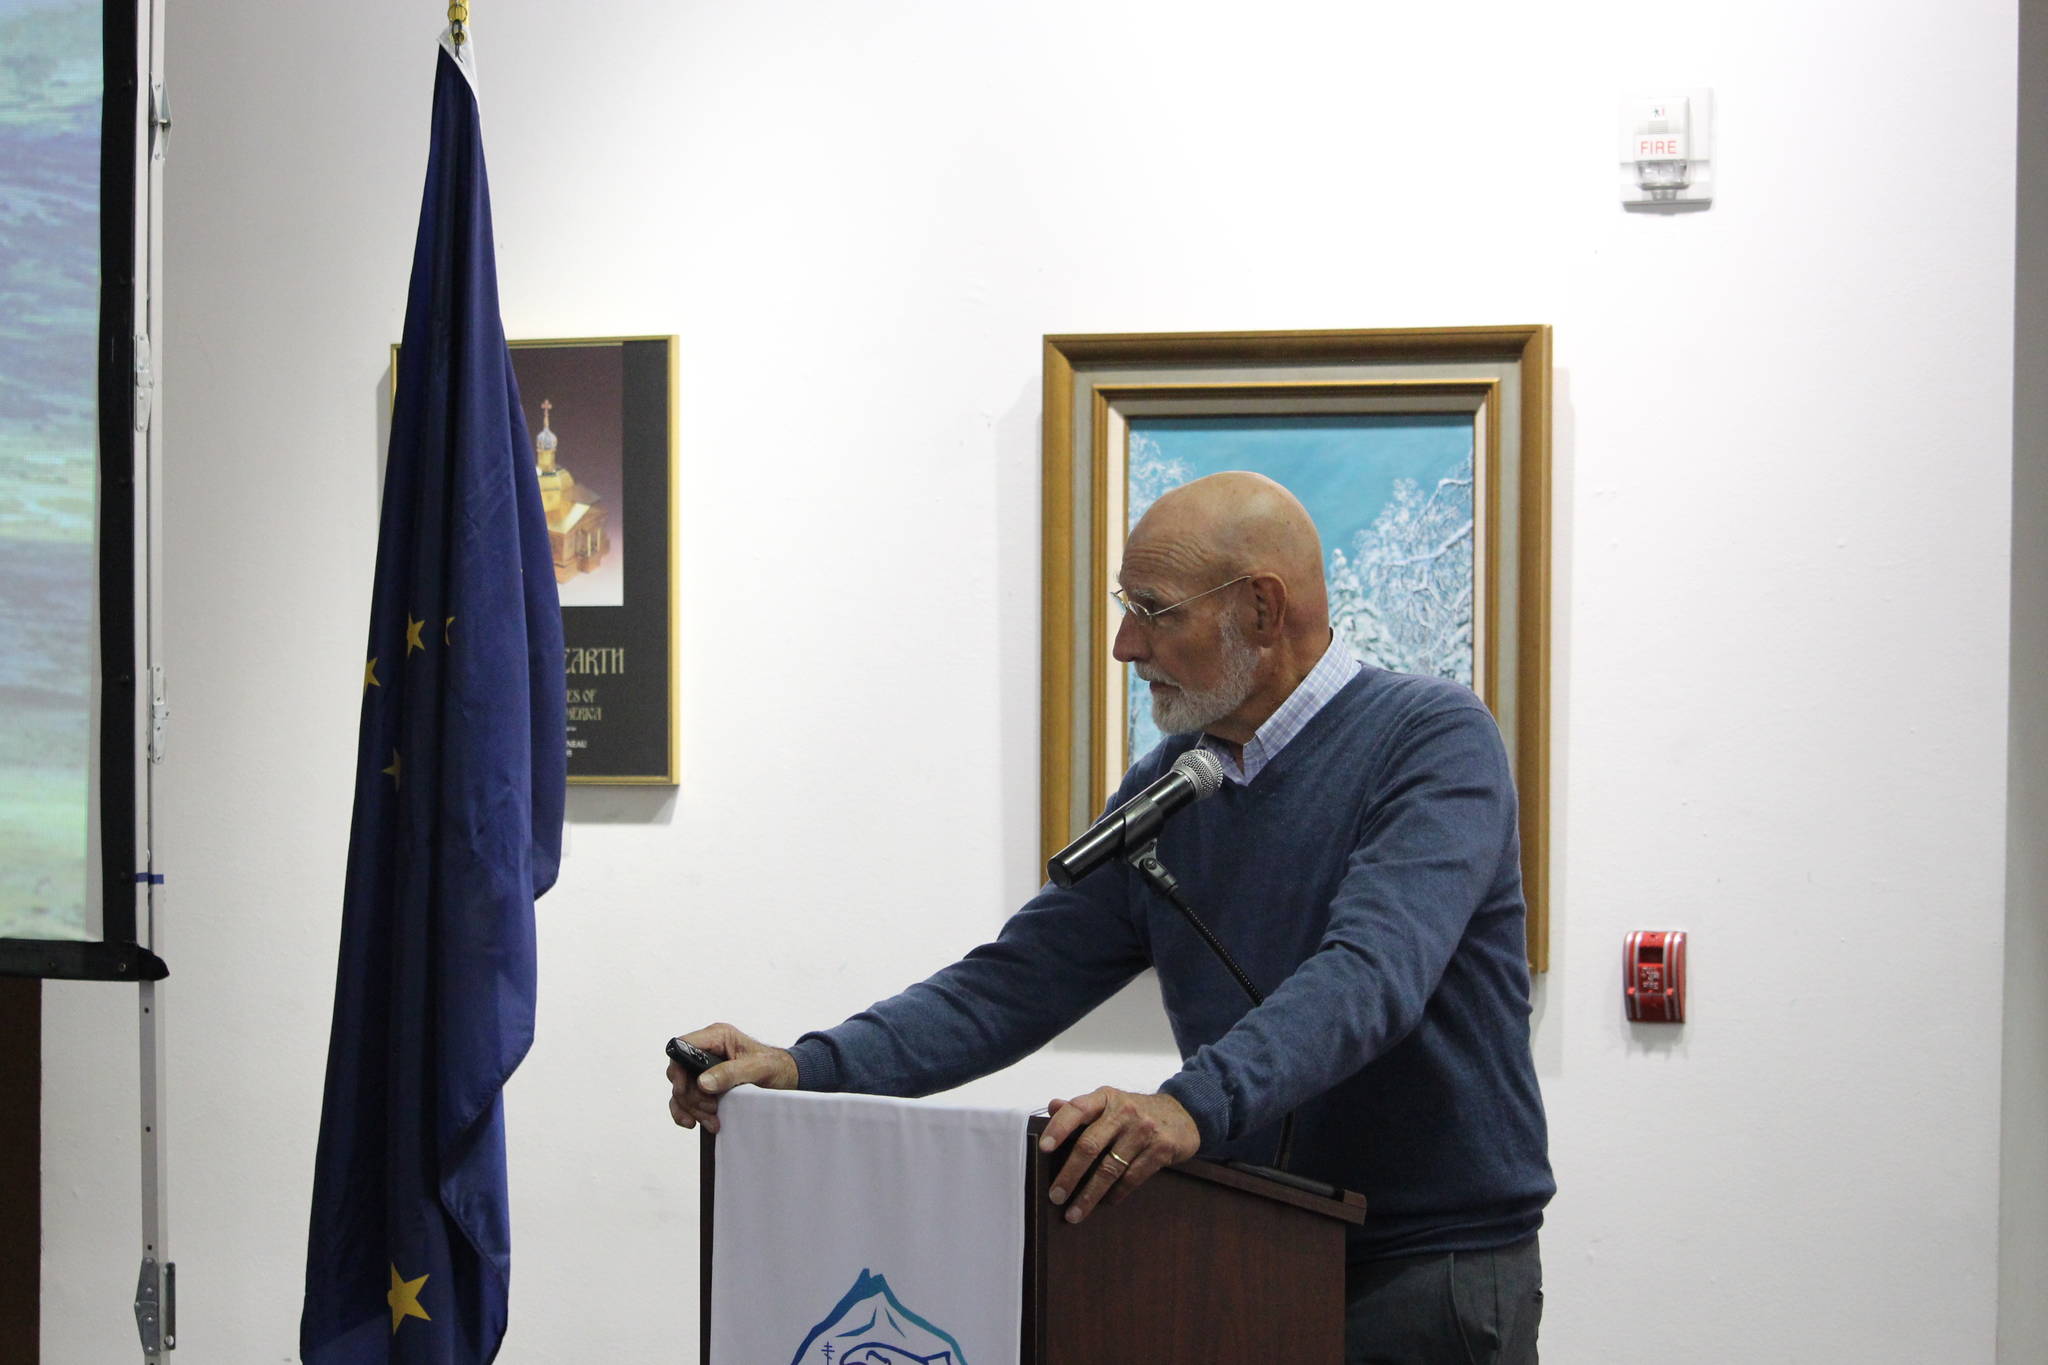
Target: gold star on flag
(444,629)
(392,771)
(412,635)
(370,674)
(404,1299)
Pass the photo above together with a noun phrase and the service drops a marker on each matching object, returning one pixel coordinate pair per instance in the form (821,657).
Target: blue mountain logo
(870,1326)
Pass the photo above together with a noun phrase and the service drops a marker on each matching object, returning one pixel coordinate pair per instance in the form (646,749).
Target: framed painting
(1422,455)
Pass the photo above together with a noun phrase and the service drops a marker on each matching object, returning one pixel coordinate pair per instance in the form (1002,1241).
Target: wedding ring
(1122,1163)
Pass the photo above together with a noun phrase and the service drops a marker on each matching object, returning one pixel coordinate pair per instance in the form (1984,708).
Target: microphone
(1195,774)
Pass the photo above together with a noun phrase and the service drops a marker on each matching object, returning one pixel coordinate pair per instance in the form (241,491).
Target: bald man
(1361,862)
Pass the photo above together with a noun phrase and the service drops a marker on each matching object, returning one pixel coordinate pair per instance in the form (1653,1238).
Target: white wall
(1783,498)
(2023,1218)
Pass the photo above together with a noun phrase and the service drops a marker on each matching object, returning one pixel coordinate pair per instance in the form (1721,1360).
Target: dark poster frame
(620,658)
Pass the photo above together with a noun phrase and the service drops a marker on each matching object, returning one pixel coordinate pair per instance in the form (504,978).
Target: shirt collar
(1339,664)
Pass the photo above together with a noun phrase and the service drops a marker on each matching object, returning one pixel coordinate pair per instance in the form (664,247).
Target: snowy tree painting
(1404,594)
(1392,498)
(1151,472)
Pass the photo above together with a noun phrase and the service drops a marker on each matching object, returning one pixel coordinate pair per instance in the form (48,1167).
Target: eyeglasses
(1149,616)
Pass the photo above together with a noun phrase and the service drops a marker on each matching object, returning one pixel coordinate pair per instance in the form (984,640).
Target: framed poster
(601,413)
(1423,457)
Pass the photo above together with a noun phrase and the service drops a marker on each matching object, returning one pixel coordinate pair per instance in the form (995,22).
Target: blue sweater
(1369,881)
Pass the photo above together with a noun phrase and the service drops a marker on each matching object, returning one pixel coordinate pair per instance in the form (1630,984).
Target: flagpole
(458,16)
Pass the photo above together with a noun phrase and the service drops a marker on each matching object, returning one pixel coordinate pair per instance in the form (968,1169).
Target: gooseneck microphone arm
(1146,861)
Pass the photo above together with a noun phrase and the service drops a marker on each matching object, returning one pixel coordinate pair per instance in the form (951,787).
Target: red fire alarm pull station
(1653,976)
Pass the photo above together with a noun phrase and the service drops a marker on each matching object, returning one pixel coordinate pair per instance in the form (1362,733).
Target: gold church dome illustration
(558,491)
(576,524)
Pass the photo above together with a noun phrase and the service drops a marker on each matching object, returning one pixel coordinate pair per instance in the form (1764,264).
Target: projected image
(50,86)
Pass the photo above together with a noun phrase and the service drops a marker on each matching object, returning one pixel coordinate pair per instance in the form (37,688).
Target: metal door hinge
(145,382)
(156,1319)
(159,120)
(159,713)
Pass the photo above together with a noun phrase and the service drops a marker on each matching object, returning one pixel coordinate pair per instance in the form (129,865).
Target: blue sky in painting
(1341,467)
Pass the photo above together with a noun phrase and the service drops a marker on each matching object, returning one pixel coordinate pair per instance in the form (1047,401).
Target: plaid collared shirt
(1339,664)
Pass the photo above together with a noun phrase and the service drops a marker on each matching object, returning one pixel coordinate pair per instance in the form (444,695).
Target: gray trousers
(1462,1308)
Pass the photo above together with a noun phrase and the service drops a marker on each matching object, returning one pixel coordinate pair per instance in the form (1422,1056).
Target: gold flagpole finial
(458,15)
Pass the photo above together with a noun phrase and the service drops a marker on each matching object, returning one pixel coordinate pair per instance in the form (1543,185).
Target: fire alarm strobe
(1653,976)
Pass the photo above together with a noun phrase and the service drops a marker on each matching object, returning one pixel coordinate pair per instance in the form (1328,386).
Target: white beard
(1181,710)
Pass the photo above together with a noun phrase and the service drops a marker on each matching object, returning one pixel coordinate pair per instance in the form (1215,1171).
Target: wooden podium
(1205,1262)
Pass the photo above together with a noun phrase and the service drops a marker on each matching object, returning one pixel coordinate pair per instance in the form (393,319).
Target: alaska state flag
(461,771)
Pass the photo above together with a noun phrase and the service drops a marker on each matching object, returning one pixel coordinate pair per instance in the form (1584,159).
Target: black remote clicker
(690,1057)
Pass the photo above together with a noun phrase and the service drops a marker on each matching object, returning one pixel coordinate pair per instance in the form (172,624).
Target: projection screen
(75,488)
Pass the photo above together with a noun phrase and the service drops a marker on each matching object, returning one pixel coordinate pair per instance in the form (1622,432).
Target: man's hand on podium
(1124,1139)
(694,1100)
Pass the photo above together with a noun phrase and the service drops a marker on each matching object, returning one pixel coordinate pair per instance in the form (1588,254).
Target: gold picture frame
(1496,378)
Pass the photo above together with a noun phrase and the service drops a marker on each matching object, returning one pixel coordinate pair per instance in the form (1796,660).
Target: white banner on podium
(852,1230)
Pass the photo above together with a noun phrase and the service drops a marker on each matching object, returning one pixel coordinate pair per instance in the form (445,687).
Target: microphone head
(1202,769)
